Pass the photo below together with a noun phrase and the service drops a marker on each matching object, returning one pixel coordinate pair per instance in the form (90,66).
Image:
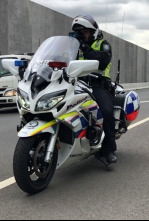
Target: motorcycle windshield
(59,48)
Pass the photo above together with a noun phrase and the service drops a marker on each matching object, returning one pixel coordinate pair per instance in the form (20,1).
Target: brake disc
(41,167)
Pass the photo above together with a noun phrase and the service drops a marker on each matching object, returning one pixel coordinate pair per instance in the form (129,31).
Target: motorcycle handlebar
(94,76)
(88,92)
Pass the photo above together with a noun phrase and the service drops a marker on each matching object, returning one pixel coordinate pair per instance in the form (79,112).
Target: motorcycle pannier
(126,110)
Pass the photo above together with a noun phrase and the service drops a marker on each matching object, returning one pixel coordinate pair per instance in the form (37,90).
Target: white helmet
(86,21)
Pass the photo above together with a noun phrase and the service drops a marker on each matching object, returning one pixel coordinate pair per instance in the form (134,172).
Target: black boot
(110,157)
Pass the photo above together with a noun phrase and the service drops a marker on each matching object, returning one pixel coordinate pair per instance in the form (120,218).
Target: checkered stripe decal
(78,122)
(81,129)
(93,107)
(133,103)
(90,106)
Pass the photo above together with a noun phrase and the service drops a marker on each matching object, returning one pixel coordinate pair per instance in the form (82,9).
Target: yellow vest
(96,46)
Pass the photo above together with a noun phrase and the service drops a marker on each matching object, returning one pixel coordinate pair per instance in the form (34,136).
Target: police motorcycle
(61,123)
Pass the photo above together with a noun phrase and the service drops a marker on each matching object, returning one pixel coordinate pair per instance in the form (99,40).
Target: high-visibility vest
(96,46)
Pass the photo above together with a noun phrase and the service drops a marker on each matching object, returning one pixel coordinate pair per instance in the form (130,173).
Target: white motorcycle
(61,122)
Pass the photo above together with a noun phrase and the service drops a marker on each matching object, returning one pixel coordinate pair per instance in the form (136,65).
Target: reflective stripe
(68,115)
(96,46)
(50,124)
(81,56)
(88,103)
(107,71)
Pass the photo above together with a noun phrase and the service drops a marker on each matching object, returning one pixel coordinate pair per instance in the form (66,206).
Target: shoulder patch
(106,47)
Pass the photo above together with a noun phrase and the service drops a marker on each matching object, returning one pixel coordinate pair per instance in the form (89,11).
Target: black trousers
(105,101)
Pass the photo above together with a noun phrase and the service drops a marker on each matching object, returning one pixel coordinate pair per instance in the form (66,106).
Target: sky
(126,19)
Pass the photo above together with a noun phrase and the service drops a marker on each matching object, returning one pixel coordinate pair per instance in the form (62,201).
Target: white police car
(8,83)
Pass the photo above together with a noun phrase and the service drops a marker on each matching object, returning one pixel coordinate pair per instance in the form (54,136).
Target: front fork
(51,145)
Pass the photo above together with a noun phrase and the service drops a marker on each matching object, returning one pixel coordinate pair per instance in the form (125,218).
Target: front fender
(36,127)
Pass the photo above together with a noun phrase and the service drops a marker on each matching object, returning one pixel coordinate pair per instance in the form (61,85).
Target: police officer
(93,47)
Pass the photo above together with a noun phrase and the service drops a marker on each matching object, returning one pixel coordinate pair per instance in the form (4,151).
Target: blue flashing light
(19,63)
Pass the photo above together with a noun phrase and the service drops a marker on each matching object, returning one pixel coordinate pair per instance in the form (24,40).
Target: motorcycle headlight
(10,93)
(23,99)
(46,103)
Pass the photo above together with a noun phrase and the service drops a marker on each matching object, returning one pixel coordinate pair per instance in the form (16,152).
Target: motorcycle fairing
(75,121)
(92,106)
(78,123)
(71,154)
(36,127)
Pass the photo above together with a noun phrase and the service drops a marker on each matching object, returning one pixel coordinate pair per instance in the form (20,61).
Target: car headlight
(23,99)
(46,104)
(10,93)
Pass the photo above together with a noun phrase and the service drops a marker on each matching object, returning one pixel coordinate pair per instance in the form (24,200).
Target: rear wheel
(31,172)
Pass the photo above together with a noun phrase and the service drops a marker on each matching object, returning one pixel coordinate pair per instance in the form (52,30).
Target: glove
(85,48)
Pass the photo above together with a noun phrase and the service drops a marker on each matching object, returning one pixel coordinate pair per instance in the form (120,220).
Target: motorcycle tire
(31,172)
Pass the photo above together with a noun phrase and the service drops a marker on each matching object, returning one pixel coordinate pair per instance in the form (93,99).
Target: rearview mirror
(81,68)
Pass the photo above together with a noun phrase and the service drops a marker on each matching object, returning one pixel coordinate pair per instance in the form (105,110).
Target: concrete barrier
(25,25)
(136,86)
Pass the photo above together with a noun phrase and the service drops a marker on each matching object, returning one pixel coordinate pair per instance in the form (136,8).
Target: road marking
(143,102)
(11,180)
(7,182)
(138,123)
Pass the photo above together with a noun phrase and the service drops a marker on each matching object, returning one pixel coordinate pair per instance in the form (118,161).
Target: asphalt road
(85,191)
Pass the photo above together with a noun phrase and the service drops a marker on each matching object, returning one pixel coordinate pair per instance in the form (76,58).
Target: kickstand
(105,164)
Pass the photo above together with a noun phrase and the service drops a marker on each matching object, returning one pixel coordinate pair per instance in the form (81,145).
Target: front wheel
(31,172)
